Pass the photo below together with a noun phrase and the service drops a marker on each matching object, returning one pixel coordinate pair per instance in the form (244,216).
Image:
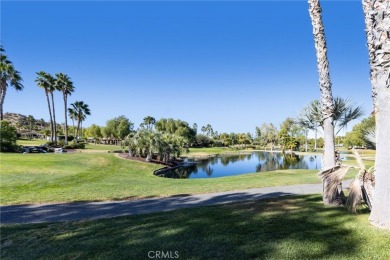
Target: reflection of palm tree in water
(314,159)
(290,160)
(209,171)
(278,161)
(227,159)
(268,162)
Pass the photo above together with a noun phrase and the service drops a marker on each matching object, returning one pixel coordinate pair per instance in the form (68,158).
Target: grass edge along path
(296,227)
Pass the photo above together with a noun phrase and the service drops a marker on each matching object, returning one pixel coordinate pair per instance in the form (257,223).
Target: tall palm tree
(149,122)
(65,85)
(332,194)
(31,120)
(82,110)
(72,115)
(316,118)
(367,7)
(51,81)
(379,12)
(8,77)
(43,83)
(307,122)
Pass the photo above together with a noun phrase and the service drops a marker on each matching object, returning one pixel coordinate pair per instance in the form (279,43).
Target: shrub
(120,151)
(50,143)
(8,137)
(75,146)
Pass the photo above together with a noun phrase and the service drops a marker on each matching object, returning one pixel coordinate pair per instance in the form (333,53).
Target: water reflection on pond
(227,165)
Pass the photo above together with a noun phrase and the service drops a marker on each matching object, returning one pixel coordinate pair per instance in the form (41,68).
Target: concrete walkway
(107,209)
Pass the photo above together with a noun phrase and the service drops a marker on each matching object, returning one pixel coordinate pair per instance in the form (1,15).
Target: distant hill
(16,119)
(22,124)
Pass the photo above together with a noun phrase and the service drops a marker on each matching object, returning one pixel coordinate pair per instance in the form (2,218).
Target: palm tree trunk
(66,117)
(380,214)
(51,117)
(74,128)
(3,90)
(367,6)
(54,117)
(306,140)
(326,98)
(77,130)
(315,139)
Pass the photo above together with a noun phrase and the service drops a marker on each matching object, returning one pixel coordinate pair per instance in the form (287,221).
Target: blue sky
(232,64)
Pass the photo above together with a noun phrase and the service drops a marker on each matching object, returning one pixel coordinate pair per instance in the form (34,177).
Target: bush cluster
(75,146)
(8,138)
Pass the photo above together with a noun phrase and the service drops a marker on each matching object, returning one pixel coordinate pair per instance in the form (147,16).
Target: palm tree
(316,117)
(72,115)
(51,81)
(82,110)
(42,82)
(332,194)
(378,11)
(149,122)
(65,85)
(31,121)
(8,77)
(345,112)
(367,7)
(307,122)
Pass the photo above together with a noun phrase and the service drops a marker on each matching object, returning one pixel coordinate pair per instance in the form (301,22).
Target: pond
(235,164)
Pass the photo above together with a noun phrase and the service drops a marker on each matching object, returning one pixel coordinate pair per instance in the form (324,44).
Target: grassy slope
(100,147)
(297,227)
(32,142)
(207,151)
(38,178)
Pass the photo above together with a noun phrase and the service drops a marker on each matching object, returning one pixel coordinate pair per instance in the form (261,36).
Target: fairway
(70,177)
(298,227)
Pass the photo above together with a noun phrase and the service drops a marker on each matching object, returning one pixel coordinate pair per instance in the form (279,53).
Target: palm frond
(355,195)
(359,160)
(362,187)
(332,178)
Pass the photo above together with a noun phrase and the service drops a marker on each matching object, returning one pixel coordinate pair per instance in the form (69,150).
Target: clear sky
(233,64)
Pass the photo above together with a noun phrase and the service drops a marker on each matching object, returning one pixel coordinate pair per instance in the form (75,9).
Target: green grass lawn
(40,178)
(208,151)
(32,142)
(102,147)
(298,227)
(97,147)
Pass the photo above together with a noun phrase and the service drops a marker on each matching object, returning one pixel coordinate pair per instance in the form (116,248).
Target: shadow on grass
(291,227)
(25,213)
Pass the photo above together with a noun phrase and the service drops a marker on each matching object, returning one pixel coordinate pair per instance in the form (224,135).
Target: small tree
(8,137)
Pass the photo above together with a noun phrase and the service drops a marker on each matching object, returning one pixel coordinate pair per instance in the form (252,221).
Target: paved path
(95,210)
